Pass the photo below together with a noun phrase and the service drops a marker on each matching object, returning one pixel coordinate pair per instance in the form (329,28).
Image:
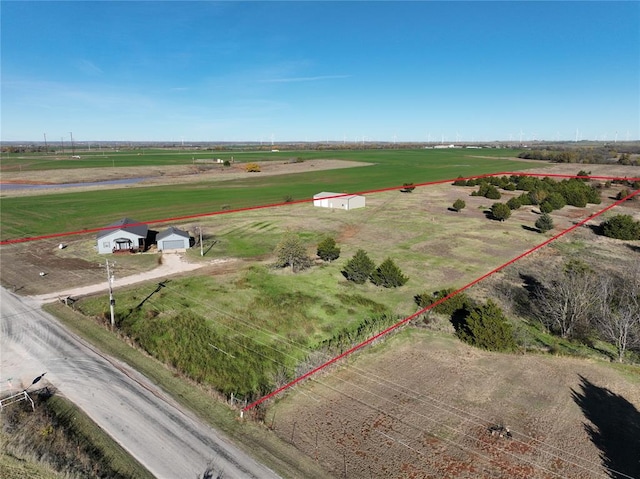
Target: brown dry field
(420,406)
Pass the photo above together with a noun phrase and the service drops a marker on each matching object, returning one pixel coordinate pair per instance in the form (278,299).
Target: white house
(123,235)
(338,200)
(173,239)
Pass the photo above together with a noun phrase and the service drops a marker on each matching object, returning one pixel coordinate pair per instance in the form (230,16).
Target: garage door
(175,244)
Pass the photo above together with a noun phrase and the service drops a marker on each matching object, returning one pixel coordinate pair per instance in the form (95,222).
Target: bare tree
(617,317)
(565,299)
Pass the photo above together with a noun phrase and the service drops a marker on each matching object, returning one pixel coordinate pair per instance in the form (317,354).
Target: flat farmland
(65,211)
(416,405)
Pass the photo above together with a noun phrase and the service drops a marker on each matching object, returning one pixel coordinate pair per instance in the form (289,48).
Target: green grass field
(65,212)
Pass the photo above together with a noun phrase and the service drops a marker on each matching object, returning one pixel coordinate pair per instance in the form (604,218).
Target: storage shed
(338,200)
(173,239)
(123,235)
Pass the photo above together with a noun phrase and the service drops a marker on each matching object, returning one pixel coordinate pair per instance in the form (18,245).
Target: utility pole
(45,142)
(201,247)
(73,147)
(112,302)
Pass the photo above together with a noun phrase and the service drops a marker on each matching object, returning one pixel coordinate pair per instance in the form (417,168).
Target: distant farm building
(124,235)
(173,239)
(338,200)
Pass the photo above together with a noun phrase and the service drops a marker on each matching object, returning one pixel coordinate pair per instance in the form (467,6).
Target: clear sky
(263,71)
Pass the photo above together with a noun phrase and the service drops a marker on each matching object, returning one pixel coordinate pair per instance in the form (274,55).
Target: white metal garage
(172,239)
(338,200)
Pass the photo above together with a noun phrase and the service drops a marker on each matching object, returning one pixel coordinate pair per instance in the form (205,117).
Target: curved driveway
(139,416)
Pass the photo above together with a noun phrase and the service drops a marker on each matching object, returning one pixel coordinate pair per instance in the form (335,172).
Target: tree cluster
(482,325)
(545,192)
(570,155)
(622,227)
(576,302)
(360,268)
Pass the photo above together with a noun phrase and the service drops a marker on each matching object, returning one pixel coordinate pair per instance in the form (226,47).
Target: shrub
(488,191)
(583,173)
(407,188)
(622,227)
(556,201)
(622,194)
(544,223)
(327,250)
(492,193)
(459,204)
(388,275)
(486,327)
(538,196)
(546,207)
(460,182)
(500,211)
(252,168)
(449,307)
(287,199)
(359,268)
(514,203)
(226,163)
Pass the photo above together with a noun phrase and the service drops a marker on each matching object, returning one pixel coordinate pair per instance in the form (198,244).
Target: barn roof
(136,228)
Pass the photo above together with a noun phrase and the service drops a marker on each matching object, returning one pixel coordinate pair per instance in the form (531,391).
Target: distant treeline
(584,155)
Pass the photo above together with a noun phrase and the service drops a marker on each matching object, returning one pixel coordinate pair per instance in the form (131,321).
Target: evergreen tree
(459,204)
(514,203)
(500,211)
(486,327)
(359,268)
(544,223)
(388,275)
(327,250)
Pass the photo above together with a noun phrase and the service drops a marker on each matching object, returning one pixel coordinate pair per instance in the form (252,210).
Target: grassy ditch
(58,440)
(205,403)
(246,333)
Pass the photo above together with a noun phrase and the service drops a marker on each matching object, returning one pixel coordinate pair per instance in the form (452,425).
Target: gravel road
(139,416)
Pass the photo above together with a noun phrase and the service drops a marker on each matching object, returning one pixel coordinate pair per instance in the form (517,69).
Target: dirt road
(171,264)
(139,416)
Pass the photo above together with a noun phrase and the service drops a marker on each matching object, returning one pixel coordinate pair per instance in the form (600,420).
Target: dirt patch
(422,408)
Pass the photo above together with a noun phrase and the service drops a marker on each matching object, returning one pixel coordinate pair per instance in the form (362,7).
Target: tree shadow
(530,228)
(614,427)
(633,248)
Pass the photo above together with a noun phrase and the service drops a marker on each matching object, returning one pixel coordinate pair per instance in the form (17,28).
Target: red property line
(433,305)
(307,200)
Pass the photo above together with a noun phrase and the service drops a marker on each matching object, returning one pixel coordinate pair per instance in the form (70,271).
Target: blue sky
(263,71)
